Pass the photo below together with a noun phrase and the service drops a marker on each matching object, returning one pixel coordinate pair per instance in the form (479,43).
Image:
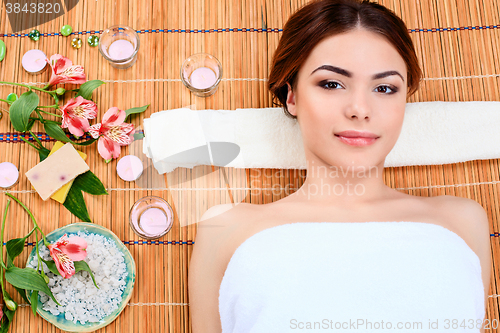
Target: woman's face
(351,81)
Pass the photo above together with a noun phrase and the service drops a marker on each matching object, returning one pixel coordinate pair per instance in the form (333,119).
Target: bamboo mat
(457,42)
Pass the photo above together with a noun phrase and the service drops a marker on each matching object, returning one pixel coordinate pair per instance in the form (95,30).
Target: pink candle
(203,78)
(153,221)
(120,49)
(34,61)
(8,175)
(129,168)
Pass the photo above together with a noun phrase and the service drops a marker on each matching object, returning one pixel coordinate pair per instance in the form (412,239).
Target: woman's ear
(290,101)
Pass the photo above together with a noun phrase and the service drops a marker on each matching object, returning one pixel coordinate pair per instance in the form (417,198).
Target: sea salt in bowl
(126,284)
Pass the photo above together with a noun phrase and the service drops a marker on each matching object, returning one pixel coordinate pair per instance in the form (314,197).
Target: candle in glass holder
(34,61)
(8,175)
(120,49)
(151,217)
(202,78)
(153,221)
(119,45)
(201,73)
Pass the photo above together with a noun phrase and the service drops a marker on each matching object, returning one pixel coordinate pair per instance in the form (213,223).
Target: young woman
(344,246)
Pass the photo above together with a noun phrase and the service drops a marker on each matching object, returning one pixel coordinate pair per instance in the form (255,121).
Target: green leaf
(34,301)
(30,124)
(138,136)
(7,319)
(21,292)
(84,143)
(88,87)
(28,279)
(15,247)
(52,266)
(55,132)
(76,204)
(83,266)
(135,110)
(79,266)
(21,110)
(88,182)
(43,153)
(9,313)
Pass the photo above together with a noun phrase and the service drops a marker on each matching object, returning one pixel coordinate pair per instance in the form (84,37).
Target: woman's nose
(359,106)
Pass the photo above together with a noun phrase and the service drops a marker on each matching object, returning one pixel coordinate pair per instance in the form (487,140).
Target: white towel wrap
(375,271)
(432,133)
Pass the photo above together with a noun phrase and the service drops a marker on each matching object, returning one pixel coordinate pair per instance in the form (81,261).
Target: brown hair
(324,18)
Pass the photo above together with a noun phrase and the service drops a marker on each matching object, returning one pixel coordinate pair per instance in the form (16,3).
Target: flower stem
(32,145)
(40,118)
(36,139)
(26,86)
(4,100)
(2,267)
(32,218)
(37,253)
(49,113)
(55,106)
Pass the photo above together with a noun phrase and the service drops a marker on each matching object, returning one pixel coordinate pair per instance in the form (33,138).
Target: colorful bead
(76,43)
(66,30)
(2,50)
(12,97)
(93,40)
(34,35)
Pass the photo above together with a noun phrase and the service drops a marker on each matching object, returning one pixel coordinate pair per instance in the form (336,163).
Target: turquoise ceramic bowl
(59,320)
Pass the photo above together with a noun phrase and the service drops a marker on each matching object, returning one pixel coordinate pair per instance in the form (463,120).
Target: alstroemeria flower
(76,114)
(112,133)
(67,250)
(63,71)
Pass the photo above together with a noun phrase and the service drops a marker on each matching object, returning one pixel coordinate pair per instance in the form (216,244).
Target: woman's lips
(356,141)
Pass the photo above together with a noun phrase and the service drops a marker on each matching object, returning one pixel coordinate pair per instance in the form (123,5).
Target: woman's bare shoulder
(464,212)
(218,223)
(471,219)
(206,267)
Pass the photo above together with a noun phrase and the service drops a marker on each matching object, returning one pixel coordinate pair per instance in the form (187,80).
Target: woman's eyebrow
(344,72)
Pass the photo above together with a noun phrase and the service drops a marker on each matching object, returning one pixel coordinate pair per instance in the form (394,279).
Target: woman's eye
(329,85)
(386,90)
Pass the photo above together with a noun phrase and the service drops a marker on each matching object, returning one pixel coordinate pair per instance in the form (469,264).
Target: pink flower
(76,113)
(112,133)
(63,71)
(67,250)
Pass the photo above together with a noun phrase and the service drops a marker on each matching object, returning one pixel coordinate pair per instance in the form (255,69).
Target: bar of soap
(56,170)
(62,193)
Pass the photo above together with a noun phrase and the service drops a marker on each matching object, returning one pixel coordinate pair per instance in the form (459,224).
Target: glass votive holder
(151,217)
(119,45)
(201,74)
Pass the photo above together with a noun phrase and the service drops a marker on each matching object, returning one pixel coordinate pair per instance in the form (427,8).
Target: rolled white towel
(432,133)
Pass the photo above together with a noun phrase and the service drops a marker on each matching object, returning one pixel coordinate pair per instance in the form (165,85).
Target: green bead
(12,97)
(34,35)
(2,50)
(93,40)
(76,43)
(66,30)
